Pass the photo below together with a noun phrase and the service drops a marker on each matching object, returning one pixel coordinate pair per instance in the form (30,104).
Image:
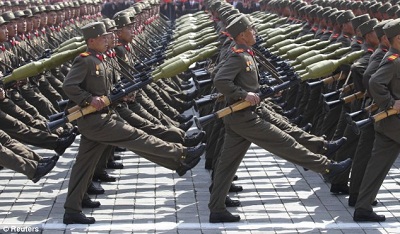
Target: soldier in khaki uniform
(88,80)
(19,158)
(384,86)
(237,79)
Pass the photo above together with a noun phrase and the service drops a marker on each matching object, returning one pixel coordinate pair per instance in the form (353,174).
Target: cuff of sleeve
(242,95)
(391,104)
(86,102)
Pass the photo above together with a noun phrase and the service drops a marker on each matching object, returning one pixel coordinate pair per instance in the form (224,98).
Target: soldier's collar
(96,54)
(394,51)
(384,48)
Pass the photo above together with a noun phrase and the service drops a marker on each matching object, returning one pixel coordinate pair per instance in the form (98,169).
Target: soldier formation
(265,88)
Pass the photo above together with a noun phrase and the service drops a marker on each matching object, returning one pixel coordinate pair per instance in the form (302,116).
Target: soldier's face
(43,19)
(29,25)
(372,38)
(3,33)
(12,28)
(100,44)
(112,40)
(36,21)
(249,36)
(51,18)
(126,33)
(21,25)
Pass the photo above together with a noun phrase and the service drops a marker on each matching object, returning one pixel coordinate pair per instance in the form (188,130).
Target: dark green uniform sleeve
(380,82)
(225,78)
(72,83)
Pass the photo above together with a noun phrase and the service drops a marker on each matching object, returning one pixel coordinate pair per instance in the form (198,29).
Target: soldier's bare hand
(253,98)
(98,103)
(396,105)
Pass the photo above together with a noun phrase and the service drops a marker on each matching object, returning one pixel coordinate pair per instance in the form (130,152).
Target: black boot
(78,218)
(194,139)
(191,159)
(337,168)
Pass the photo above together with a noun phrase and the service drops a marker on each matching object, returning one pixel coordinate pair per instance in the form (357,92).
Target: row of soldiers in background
(154,112)
(174,9)
(357,26)
(27,35)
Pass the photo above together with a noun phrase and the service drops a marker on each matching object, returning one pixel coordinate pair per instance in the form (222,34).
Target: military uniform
(237,77)
(384,88)
(367,135)
(89,77)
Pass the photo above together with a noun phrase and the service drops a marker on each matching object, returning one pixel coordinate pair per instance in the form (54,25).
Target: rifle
(240,105)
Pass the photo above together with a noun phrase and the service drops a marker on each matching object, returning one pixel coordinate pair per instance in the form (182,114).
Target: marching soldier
(384,88)
(19,158)
(86,82)
(367,135)
(237,80)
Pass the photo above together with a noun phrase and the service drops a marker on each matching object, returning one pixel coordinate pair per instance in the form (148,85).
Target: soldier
(86,82)
(237,80)
(367,135)
(339,185)
(347,28)
(19,158)
(159,109)
(384,88)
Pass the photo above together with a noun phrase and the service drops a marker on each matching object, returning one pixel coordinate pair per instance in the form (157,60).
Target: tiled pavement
(278,197)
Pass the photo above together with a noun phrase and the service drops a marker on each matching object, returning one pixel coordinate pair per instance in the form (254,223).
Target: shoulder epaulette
(336,35)
(359,41)
(385,50)
(393,57)
(238,51)
(85,54)
(344,35)
(370,50)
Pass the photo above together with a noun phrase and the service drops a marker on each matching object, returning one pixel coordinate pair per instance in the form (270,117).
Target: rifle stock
(357,126)
(240,105)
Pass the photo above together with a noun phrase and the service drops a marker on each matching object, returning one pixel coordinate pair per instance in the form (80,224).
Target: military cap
(122,20)
(357,21)
(298,6)
(42,8)
(238,25)
(7,3)
(384,8)
(50,8)
(19,14)
(392,28)
(82,2)
(94,30)
(392,10)
(367,27)
(343,5)
(215,5)
(138,8)
(345,17)
(22,3)
(57,8)
(8,16)
(379,28)
(231,18)
(75,4)
(313,12)
(374,8)
(328,13)
(2,21)
(110,24)
(321,11)
(334,15)
(302,10)
(28,13)
(35,10)
(228,13)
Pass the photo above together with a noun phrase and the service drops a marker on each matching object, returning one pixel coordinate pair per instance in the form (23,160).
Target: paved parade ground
(278,197)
